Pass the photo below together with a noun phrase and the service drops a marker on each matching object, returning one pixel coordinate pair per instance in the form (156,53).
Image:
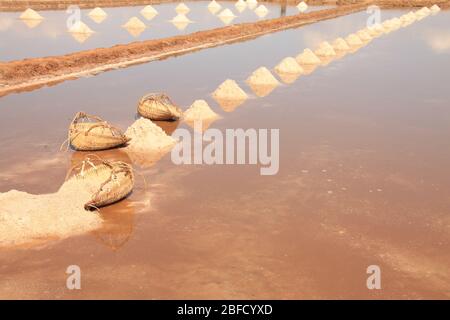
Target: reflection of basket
(117,184)
(158,106)
(89,133)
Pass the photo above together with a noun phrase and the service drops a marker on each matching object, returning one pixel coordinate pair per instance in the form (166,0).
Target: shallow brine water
(50,37)
(363,177)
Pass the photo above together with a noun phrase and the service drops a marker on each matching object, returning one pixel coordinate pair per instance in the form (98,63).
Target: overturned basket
(159,107)
(89,133)
(111,181)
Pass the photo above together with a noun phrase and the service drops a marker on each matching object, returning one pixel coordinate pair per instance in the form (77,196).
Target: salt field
(362,176)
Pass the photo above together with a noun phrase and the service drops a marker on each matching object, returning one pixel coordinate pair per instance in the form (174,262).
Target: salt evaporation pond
(50,37)
(363,177)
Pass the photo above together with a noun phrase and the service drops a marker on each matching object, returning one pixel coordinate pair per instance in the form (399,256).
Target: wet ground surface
(363,177)
(50,36)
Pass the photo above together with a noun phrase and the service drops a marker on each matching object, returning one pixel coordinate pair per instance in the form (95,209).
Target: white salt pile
(149,12)
(364,35)
(325,50)
(229,90)
(261,11)
(289,65)
(182,8)
(262,76)
(353,40)
(97,12)
(27,218)
(149,142)
(240,4)
(340,45)
(81,28)
(199,111)
(226,13)
(214,7)
(307,57)
(388,26)
(302,6)
(134,23)
(435,8)
(181,18)
(251,4)
(30,14)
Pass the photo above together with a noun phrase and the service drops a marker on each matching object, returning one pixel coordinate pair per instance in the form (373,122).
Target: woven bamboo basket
(159,107)
(117,184)
(90,133)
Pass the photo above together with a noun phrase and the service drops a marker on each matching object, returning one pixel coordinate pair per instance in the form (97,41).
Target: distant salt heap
(226,16)
(199,110)
(240,4)
(229,90)
(262,77)
(388,26)
(325,50)
(214,7)
(364,35)
(134,23)
(182,8)
(148,12)
(81,28)
(289,65)
(251,4)
(97,12)
(307,57)
(340,45)
(30,14)
(302,7)
(261,11)
(353,40)
(435,9)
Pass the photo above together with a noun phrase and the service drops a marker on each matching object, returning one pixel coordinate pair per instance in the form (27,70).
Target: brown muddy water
(363,179)
(50,36)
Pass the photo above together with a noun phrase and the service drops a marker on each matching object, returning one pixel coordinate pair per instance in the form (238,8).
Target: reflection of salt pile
(435,9)
(149,142)
(148,12)
(353,40)
(364,35)
(226,16)
(302,6)
(325,50)
(30,14)
(134,23)
(81,37)
(26,218)
(32,23)
(98,15)
(214,7)
(229,95)
(200,112)
(307,57)
(261,11)
(340,45)
(182,8)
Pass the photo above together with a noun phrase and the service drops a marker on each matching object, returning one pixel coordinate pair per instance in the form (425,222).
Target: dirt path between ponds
(30,74)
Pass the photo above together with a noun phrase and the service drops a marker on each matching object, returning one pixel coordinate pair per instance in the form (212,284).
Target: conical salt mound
(307,57)
(302,7)
(364,35)
(261,11)
(435,8)
(229,95)
(252,2)
(289,65)
(134,23)
(214,7)
(262,76)
(325,50)
(30,14)
(97,12)
(181,18)
(353,40)
(149,9)
(182,8)
(81,28)
(240,4)
(226,13)
(340,45)
(199,110)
